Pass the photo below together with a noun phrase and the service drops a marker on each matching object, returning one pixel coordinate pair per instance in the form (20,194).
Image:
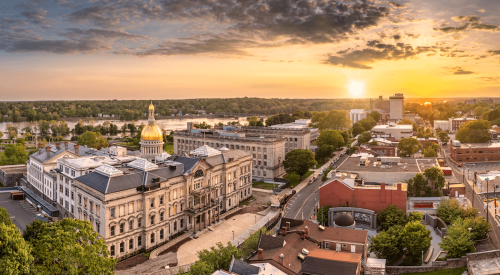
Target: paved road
(302,204)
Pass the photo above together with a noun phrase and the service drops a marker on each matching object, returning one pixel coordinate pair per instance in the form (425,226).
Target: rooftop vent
(302,257)
(321,227)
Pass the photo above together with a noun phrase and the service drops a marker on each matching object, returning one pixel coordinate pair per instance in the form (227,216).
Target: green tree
(14,154)
(299,161)
(357,129)
(374,115)
(407,121)
(15,253)
(334,120)
(408,146)
(214,259)
(435,176)
(449,210)
(323,215)
(479,227)
(69,246)
(431,151)
(330,137)
(93,140)
(4,216)
(415,216)
(323,152)
(416,185)
(443,136)
(415,238)
(387,244)
(391,216)
(475,131)
(364,137)
(458,240)
(251,243)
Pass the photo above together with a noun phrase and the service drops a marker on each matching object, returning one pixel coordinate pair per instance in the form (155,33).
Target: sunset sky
(168,49)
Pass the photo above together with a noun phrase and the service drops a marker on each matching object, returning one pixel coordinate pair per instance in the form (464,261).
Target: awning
(36,200)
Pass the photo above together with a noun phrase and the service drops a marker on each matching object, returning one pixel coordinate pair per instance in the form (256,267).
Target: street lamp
(422,257)
(469,233)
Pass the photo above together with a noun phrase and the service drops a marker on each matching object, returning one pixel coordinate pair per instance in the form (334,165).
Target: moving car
(320,173)
(310,181)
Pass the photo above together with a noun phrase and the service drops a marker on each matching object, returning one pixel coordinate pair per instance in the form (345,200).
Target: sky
(173,49)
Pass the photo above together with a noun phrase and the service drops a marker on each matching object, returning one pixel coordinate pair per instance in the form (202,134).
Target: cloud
(467,23)
(459,70)
(489,78)
(38,16)
(493,52)
(376,51)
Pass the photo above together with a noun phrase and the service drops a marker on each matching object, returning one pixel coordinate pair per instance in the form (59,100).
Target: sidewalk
(254,228)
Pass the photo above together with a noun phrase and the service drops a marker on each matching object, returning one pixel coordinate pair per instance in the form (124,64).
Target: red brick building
(474,152)
(337,193)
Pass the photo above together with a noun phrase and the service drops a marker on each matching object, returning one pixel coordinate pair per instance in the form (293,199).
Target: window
(152,219)
(122,247)
(175,209)
(72,195)
(152,202)
(327,245)
(181,225)
(161,200)
(130,244)
(139,241)
(112,230)
(67,191)
(122,227)
(161,216)
(139,205)
(66,170)
(130,225)
(112,212)
(72,173)
(72,210)
(112,250)
(91,206)
(97,227)
(85,202)
(122,210)
(130,207)
(97,209)
(79,199)
(61,189)
(175,226)
(161,234)
(152,237)
(139,222)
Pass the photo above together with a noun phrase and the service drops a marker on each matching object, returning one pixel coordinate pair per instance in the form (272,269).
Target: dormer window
(198,174)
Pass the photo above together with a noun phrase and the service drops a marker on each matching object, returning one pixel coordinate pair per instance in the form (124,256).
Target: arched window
(198,174)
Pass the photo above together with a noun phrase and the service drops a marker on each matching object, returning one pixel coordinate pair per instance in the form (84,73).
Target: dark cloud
(460,71)
(376,51)
(489,78)
(38,16)
(468,23)
(494,52)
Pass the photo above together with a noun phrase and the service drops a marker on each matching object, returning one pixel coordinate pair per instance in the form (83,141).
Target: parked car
(460,164)
(320,173)
(310,181)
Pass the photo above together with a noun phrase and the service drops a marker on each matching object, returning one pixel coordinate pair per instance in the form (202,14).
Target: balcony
(202,207)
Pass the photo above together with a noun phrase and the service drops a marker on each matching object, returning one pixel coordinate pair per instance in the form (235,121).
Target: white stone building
(356,115)
(397,106)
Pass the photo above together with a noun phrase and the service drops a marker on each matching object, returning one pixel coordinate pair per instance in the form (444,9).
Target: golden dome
(151,132)
(151,107)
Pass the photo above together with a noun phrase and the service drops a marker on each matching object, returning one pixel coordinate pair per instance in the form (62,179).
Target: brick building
(340,191)
(474,152)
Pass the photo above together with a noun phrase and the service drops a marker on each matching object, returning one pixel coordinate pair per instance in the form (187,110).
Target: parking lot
(21,212)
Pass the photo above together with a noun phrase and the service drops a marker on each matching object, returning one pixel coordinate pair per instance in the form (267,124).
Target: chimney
(287,225)
(281,259)
(382,192)
(306,230)
(260,254)
(47,150)
(359,149)
(58,145)
(284,230)
(399,186)
(40,148)
(303,235)
(65,145)
(76,149)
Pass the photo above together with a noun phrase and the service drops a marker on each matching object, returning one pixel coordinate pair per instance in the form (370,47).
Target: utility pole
(487,199)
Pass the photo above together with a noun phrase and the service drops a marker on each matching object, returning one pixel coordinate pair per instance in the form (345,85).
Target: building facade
(11,175)
(397,106)
(356,115)
(474,152)
(392,132)
(140,205)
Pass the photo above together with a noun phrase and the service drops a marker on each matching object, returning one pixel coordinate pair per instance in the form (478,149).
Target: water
(166,124)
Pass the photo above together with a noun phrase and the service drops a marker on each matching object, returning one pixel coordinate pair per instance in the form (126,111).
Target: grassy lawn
(169,147)
(294,179)
(451,271)
(128,145)
(321,163)
(264,185)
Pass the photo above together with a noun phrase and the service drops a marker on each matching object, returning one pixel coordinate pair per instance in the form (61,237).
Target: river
(171,124)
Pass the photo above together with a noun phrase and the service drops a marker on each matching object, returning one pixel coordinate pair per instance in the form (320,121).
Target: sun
(356,88)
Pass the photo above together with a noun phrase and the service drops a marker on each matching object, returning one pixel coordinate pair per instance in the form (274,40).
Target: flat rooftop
(478,145)
(408,165)
(96,161)
(392,126)
(14,169)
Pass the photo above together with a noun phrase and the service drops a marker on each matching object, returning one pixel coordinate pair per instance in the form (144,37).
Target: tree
(475,131)
(299,161)
(408,146)
(407,121)
(216,258)
(323,152)
(364,137)
(479,227)
(443,136)
(251,243)
(374,115)
(14,154)
(391,216)
(323,215)
(415,216)
(415,238)
(4,216)
(15,253)
(386,244)
(69,246)
(330,137)
(457,241)
(431,151)
(93,140)
(334,120)
(449,210)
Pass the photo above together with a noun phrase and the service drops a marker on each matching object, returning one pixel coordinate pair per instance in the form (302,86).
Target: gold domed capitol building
(151,137)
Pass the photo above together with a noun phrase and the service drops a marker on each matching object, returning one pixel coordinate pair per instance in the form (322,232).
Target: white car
(320,173)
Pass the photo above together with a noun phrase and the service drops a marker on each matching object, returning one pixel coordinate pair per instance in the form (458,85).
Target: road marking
(305,203)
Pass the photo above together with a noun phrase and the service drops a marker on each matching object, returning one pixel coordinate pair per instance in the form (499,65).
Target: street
(302,204)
